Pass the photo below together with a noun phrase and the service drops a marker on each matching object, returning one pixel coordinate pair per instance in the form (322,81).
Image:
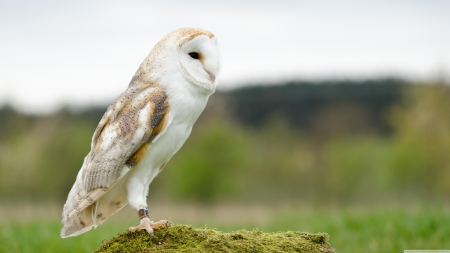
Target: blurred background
(330,116)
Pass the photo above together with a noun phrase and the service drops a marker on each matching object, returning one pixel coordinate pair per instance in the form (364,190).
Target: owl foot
(149,225)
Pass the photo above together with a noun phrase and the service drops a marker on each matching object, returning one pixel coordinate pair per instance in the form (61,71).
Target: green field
(345,153)
(380,229)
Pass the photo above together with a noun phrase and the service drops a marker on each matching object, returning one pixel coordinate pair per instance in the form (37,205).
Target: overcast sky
(85,52)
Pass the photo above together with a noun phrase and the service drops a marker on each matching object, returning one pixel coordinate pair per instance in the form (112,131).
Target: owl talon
(161,224)
(146,224)
(149,226)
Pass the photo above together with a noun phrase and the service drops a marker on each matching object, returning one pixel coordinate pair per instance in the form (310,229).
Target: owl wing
(123,135)
(120,141)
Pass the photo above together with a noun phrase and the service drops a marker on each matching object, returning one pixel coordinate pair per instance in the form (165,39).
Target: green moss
(182,238)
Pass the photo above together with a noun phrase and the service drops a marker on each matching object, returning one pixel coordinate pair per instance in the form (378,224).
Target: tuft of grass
(183,238)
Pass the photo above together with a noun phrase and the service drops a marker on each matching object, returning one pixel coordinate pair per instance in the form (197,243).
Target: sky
(82,53)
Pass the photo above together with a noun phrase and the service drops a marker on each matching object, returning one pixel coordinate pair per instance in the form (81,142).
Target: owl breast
(184,109)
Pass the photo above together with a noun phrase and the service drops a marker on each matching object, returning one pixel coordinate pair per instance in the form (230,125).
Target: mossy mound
(182,238)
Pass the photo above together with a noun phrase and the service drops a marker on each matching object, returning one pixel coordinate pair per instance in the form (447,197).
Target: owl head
(191,53)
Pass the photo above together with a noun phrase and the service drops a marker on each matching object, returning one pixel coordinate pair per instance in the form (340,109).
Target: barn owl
(142,129)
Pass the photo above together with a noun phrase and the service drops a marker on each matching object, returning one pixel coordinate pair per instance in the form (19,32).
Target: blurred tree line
(324,142)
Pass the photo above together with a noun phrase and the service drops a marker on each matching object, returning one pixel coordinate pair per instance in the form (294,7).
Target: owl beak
(211,76)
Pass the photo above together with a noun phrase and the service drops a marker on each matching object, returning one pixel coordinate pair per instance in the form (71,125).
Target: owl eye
(194,55)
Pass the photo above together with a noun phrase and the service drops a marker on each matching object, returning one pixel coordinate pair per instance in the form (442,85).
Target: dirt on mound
(182,238)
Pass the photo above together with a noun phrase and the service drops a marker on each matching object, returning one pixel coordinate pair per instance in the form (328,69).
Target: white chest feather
(186,104)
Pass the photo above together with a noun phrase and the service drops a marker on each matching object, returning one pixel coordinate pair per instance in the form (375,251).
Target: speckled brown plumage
(103,166)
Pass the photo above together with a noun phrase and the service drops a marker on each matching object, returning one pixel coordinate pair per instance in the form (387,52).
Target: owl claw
(145,223)
(149,226)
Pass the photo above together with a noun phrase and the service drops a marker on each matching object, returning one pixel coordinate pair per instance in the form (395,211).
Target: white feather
(109,137)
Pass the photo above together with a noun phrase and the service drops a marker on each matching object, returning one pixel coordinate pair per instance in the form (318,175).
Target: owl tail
(86,209)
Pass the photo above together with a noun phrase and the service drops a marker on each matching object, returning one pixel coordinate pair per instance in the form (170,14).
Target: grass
(381,229)
(378,230)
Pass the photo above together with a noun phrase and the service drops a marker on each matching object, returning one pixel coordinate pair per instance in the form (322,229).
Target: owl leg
(147,224)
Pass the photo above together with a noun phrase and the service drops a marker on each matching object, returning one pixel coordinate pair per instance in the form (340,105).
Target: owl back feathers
(119,143)
(87,209)
(129,124)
